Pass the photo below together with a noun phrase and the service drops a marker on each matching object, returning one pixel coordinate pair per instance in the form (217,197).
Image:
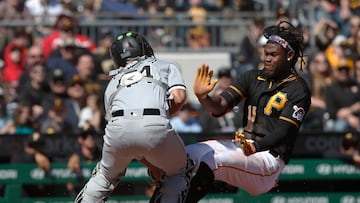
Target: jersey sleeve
(238,89)
(175,78)
(297,106)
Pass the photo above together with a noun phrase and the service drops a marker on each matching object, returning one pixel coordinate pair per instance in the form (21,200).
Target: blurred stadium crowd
(53,74)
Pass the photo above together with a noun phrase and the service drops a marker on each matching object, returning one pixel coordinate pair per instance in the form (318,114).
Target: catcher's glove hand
(246,145)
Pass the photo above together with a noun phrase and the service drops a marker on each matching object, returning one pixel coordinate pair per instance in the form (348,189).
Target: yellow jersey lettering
(277,101)
(252,113)
(251,118)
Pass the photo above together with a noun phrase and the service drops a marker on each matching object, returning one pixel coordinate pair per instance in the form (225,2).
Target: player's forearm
(214,104)
(278,136)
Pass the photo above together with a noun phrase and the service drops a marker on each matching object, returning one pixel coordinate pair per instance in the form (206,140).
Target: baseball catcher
(138,100)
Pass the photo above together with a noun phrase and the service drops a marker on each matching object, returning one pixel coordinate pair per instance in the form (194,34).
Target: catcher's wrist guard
(245,144)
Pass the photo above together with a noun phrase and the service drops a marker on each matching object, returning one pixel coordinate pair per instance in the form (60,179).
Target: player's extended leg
(200,183)
(97,189)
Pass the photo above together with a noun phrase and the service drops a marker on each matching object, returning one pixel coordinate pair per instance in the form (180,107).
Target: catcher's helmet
(129,46)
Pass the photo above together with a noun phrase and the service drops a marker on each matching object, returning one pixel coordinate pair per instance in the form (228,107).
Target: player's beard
(269,71)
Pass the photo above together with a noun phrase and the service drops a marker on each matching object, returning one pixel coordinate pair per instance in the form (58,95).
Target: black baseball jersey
(267,102)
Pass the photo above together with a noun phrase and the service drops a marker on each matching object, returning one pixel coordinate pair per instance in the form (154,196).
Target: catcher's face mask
(129,46)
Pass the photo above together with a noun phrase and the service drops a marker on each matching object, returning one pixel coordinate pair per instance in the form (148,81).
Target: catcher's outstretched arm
(177,101)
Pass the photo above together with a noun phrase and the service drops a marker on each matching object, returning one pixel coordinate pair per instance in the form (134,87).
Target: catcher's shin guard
(97,189)
(174,188)
(80,196)
(200,184)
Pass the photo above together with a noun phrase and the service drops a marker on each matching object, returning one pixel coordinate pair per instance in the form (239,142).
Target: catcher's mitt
(245,144)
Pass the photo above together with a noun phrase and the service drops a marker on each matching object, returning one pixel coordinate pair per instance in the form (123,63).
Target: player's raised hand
(202,84)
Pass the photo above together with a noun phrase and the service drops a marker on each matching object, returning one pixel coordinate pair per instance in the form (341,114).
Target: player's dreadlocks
(293,38)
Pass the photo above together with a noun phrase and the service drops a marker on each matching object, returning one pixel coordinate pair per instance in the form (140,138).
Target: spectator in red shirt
(65,28)
(15,58)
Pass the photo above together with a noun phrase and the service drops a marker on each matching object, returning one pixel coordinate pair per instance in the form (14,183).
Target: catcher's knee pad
(171,190)
(174,188)
(200,183)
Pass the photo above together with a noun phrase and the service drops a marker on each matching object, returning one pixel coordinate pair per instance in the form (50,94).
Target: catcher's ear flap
(141,41)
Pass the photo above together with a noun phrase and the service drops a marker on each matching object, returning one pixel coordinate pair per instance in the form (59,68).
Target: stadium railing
(299,171)
(315,174)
